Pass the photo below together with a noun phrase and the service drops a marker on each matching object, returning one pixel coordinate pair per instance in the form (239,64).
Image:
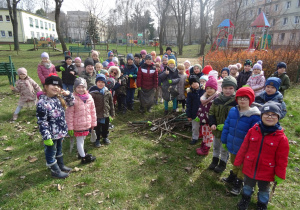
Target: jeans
(130,96)
(68,87)
(102,129)
(18,109)
(219,150)
(174,104)
(263,189)
(195,129)
(121,99)
(51,152)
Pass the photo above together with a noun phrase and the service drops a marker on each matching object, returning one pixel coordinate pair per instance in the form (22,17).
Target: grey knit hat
(229,81)
(79,81)
(272,106)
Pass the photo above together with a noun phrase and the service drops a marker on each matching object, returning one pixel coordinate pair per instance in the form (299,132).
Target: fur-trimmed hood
(115,68)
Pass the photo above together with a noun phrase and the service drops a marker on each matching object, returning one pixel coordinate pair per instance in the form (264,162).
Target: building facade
(29,26)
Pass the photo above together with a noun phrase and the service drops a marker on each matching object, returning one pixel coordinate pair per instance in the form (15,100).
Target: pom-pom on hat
(165,57)
(129,56)
(110,53)
(22,70)
(239,66)
(88,61)
(229,81)
(225,69)
(53,79)
(148,57)
(171,61)
(168,48)
(194,78)
(110,64)
(143,52)
(78,58)
(248,62)
(207,69)
(212,82)
(260,62)
(273,81)
(100,77)
(68,57)
(204,77)
(136,55)
(245,91)
(45,55)
(79,81)
(281,65)
(257,66)
(272,106)
(105,64)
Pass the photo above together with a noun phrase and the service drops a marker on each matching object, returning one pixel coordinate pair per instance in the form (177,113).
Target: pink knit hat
(143,52)
(77,58)
(157,59)
(22,70)
(110,64)
(212,82)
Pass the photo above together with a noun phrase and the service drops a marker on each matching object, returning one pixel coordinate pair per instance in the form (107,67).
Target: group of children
(236,112)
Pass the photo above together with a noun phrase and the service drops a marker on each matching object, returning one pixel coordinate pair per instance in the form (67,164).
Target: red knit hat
(207,69)
(246,91)
(212,82)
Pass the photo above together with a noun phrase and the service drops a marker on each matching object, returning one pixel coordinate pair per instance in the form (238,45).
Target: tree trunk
(162,28)
(57,12)
(190,24)
(202,27)
(14,21)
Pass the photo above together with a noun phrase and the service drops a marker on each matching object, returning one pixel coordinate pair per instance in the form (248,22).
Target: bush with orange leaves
(270,58)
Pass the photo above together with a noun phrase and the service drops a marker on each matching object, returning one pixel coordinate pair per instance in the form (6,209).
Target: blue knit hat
(105,64)
(226,69)
(110,53)
(129,56)
(281,65)
(273,81)
(101,77)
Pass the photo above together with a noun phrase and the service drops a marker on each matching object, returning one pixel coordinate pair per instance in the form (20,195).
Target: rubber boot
(60,163)
(214,163)
(97,143)
(221,167)
(88,159)
(244,202)
(57,173)
(237,187)
(262,206)
(106,141)
(203,150)
(230,179)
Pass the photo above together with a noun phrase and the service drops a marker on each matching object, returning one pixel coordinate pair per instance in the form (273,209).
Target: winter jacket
(171,56)
(43,72)
(263,157)
(193,102)
(198,75)
(51,116)
(164,79)
(120,88)
(80,69)
(181,86)
(236,127)
(256,82)
(262,99)
(243,78)
(285,81)
(90,79)
(218,112)
(133,70)
(147,77)
(81,116)
(27,89)
(67,77)
(103,103)
(204,110)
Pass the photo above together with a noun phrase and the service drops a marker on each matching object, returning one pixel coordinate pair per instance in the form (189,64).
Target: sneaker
(214,163)
(221,167)
(88,159)
(106,141)
(97,143)
(244,202)
(194,141)
(237,187)
(261,206)
(111,126)
(230,179)
(15,117)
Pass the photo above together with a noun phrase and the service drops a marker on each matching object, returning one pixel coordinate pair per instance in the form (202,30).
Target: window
(7,18)
(41,23)
(32,34)
(268,1)
(2,33)
(9,33)
(43,34)
(1,18)
(292,36)
(276,7)
(282,35)
(259,10)
(46,35)
(53,27)
(38,35)
(49,25)
(298,3)
(46,26)
(288,4)
(31,22)
(246,2)
(36,23)
(285,21)
(273,22)
(297,19)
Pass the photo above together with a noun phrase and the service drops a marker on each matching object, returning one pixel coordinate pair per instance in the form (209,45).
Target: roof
(37,15)
(260,21)
(226,24)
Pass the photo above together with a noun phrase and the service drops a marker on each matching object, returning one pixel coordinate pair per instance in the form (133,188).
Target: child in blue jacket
(239,120)
(130,71)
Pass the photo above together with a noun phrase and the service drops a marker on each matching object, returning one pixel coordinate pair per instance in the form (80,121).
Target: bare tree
(12,8)
(29,5)
(58,4)
(191,7)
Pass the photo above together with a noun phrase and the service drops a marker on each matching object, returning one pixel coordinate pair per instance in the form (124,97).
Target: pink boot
(203,150)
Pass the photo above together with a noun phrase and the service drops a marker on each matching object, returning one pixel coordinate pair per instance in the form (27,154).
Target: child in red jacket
(263,156)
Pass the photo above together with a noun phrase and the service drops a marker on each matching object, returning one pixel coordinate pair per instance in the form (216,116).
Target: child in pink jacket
(81,117)
(45,67)
(257,80)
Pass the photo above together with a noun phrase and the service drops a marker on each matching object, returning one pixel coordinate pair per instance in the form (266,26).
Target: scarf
(83,97)
(47,65)
(204,100)
(270,97)
(226,98)
(269,129)
(255,75)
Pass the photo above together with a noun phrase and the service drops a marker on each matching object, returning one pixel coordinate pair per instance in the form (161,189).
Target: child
(169,79)
(170,54)
(104,108)
(98,67)
(27,88)
(203,80)
(206,101)
(224,72)
(45,67)
(257,80)
(196,70)
(153,55)
(68,73)
(217,115)
(130,71)
(239,120)
(143,56)
(158,92)
(281,74)
(245,74)
(105,64)
(110,55)
(114,73)
(115,60)
(215,74)
(95,56)
(50,112)
(234,70)
(137,59)
(187,65)
(271,93)
(164,64)
(263,156)
(120,89)
(81,117)
(207,69)
(192,105)
(89,74)
(79,65)
(181,86)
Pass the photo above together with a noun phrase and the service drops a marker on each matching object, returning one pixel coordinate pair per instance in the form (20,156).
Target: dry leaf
(107,196)
(28,123)
(32,159)
(188,169)
(3,138)
(170,139)
(59,188)
(7,158)
(146,196)
(95,192)
(99,202)
(8,149)
(81,184)
(153,180)
(17,158)
(87,194)
(77,169)
(22,177)
(1,172)
(186,157)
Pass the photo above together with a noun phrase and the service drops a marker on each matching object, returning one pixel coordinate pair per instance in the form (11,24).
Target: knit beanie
(153,53)
(214,73)
(53,79)
(180,67)
(226,69)
(245,91)
(229,81)
(194,78)
(187,61)
(22,70)
(272,106)
(94,52)
(204,77)
(234,66)
(281,65)
(115,59)
(148,57)
(171,61)
(273,81)
(136,55)
(105,64)
(199,66)
(110,53)
(45,55)
(100,77)
(168,48)
(260,62)
(212,82)
(129,57)
(78,58)
(68,57)
(110,64)
(79,81)
(165,57)
(88,61)
(207,69)
(248,62)
(157,59)
(143,52)
(257,66)
(110,83)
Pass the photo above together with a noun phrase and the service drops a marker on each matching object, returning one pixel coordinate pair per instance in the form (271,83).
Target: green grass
(135,172)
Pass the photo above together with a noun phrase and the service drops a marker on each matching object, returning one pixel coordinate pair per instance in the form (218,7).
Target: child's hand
(12,87)
(48,142)
(220,127)
(71,132)
(278,179)
(197,119)
(72,72)
(213,127)
(119,81)
(130,75)
(225,146)
(62,68)
(167,72)
(65,92)
(111,119)
(170,81)
(189,119)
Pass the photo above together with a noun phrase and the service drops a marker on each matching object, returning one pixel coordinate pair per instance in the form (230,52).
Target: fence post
(12,72)
(298,74)
(203,62)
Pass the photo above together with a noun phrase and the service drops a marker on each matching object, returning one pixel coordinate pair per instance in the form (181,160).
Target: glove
(225,146)
(62,68)
(246,86)
(48,142)
(130,75)
(170,81)
(161,84)
(110,119)
(139,88)
(197,119)
(278,180)
(71,132)
(149,123)
(220,127)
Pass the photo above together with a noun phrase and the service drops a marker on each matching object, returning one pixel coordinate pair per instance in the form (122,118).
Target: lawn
(135,172)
